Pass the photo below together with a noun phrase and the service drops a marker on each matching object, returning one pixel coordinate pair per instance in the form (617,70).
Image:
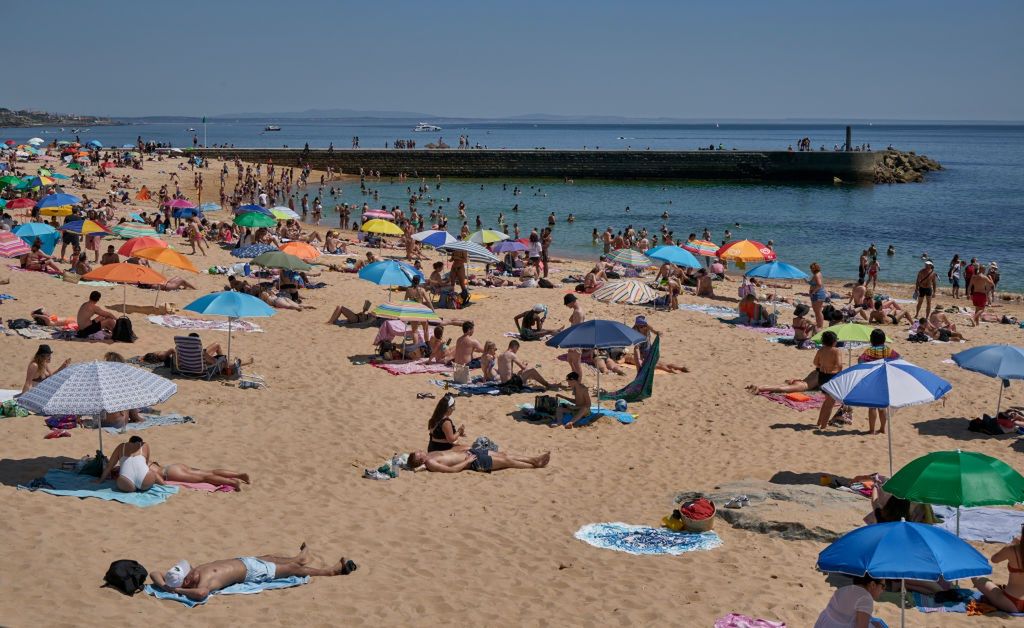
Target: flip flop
(348,567)
(426,395)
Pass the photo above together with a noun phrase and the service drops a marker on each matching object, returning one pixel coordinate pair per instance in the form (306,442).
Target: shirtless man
(466,345)
(110,257)
(92,318)
(925,285)
(574,356)
(979,288)
(857,294)
(455,460)
(878,315)
(196,583)
(508,362)
(580,400)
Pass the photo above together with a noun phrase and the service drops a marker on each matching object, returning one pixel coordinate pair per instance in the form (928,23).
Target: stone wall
(577,164)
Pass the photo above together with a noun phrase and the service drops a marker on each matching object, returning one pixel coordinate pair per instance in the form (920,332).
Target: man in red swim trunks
(979,288)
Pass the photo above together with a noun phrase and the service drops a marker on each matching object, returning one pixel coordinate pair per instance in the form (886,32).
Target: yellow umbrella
(62,210)
(382,226)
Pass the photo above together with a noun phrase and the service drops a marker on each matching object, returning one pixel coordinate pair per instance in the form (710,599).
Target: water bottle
(247,269)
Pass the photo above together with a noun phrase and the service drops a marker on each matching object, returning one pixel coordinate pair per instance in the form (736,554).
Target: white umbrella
(35,140)
(476,252)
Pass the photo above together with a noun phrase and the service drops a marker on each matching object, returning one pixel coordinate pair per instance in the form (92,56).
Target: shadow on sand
(15,472)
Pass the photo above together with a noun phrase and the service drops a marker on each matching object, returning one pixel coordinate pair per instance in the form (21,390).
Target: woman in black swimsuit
(441,428)
(39,367)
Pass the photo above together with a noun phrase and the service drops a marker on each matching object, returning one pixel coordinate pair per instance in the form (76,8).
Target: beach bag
(70,277)
(127,576)
(18,323)
(460,374)
(544,283)
(94,466)
(545,404)
(11,408)
(123,330)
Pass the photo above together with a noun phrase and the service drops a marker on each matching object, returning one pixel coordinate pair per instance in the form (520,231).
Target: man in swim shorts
(475,459)
(196,583)
(925,286)
(979,287)
(92,318)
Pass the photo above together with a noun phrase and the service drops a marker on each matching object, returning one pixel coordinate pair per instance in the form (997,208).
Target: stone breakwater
(741,165)
(903,167)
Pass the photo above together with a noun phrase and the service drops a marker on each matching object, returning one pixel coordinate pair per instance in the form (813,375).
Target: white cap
(539,307)
(175,576)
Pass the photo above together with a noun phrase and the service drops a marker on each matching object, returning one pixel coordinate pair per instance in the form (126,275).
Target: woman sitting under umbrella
(1009,597)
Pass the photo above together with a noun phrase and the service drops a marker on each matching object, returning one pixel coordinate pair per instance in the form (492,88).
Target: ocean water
(974,208)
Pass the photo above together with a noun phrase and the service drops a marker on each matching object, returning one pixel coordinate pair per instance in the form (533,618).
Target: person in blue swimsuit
(818,294)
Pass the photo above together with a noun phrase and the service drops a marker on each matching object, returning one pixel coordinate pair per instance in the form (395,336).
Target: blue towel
(153,420)
(243,588)
(595,413)
(75,485)
(645,540)
(926,603)
(991,525)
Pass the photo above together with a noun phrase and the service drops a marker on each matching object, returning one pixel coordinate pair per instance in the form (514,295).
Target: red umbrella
(21,203)
(107,164)
(10,142)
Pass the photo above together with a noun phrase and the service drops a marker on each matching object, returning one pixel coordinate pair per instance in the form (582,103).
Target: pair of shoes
(426,395)
(374,474)
(58,433)
(738,502)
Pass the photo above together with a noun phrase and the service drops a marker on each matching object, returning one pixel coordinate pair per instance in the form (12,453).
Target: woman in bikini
(362,316)
(488,360)
(35,259)
(44,319)
(803,329)
(178,472)
(39,367)
(827,362)
(441,429)
(1009,597)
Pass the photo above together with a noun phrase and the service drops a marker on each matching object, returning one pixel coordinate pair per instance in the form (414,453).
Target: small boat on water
(423,126)
(191,130)
(271,127)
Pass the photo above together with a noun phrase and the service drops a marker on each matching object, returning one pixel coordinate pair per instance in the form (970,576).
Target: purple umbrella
(179,203)
(508,246)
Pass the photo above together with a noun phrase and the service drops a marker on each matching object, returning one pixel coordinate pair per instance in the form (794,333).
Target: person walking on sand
(925,286)
(979,289)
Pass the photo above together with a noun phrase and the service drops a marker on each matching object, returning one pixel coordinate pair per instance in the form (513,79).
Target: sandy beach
(492,549)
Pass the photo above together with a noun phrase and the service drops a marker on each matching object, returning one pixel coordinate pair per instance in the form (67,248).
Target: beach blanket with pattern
(411,368)
(645,540)
(242,588)
(738,620)
(595,413)
(816,400)
(71,484)
(176,321)
(991,525)
(713,310)
(152,420)
(927,604)
(480,388)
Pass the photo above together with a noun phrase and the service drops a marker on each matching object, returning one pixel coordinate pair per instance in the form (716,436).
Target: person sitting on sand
(437,346)
(110,257)
(803,328)
(131,459)
(580,401)
(478,459)
(489,360)
(828,361)
(935,333)
(81,265)
(466,345)
(753,313)
(362,316)
(508,362)
(197,583)
(281,302)
(852,605)
(333,245)
(878,315)
(92,318)
(43,318)
(178,472)
(531,323)
(594,279)
(1009,597)
(704,284)
(35,259)
(39,368)
(212,353)
(939,320)
(370,258)
(441,430)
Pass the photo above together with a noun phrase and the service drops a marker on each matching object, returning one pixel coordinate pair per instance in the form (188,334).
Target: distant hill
(26,118)
(328,114)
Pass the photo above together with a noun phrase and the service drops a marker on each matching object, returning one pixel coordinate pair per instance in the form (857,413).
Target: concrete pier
(742,165)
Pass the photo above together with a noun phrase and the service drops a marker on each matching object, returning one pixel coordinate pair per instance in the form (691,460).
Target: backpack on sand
(127,576)
(123,330)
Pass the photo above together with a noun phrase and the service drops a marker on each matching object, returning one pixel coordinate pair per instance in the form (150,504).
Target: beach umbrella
(301,250)
(142,242)
(233,305)
(95,144)
(124,274)
(48,236)
(776,270)
(85,227)
(58,200)
(3,203)
(21,203)
(630,257)
(9,180)
(487,236)
(673,255)
(408,311)
(905,551)
(629,291)
(96,388)
(1003,361)
(40,181)
(280,259)
(434,238)
(74,166)
(383,227)
(254,220)
(209,207)
(701,247)
(283,213)
(252,250)
(10,142)
(179,203)
(186,212)
(167,256)
(390,273)
(958,478)
(62,211)
(508,246)
(36,140)
(57,175)
(251,209)
(850,334)
(136,218)
(11,245)
(130,230)
(596,334)
(886,384)
(745,251)
(476,252)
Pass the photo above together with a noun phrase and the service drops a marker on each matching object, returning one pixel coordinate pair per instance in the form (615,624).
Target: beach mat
(738,620)
(71,484)
(480,388)
(411,368)
(242,588)
(713,310)
(152,420)
(927,603)
(645,540)
(595,413)
(816,401)
(176,321)
(991,525)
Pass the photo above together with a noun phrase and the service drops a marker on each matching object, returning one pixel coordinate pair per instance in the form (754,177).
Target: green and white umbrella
(630,257)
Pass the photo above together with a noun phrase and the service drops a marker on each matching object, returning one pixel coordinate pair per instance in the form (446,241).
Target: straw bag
(460,374)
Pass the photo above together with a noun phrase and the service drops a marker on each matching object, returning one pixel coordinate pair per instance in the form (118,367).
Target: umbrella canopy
(958,478)
(630,291)
(186,212)
(233,305)
(673,255)
(48,236)
(75,166)
(390,273)
(409,311)
(381,226)
(745,251)
(847,332)
(508,246)
(130,230)
(58,200)
(280,259)
(178,203)
(36,140)
(252,250)
(284,213)
(96,387)
(21,203)
(1003,361)
(487,236)
(776,270)
(596,334)
(255,220)
(11,245)
(886,384)
(254,209)
(378,213)
(209,207)
(701,247)
(476,252)
(134,217)
(125,273)
(301,250)
(434,238)
(630,257)
(63,210)
(9,180)
(166,256)
(85,227)
(144,242)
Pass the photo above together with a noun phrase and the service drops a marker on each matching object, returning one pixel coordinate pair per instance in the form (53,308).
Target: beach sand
(490,549)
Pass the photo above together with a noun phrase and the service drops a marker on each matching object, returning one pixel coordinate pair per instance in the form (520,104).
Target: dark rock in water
(797,512)
(900,167)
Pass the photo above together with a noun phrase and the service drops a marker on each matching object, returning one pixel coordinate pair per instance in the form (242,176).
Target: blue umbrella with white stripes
(434,237)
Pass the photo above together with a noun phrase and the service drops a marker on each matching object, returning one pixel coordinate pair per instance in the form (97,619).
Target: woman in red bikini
(1009,597)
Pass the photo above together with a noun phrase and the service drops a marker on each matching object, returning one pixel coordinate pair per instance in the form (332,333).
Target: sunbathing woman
(827,362)
(1009,597)
(178,472)
(803,329)
(281,302)
(333,245)
(45,319)
(39,367)
(132,462)
(362,316)
(35,259)
(173,283)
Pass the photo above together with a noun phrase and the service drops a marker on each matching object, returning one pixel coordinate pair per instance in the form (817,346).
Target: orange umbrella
(746,251)
(300,250)
(167,256)
(143,194)
(143,242)
(125,274)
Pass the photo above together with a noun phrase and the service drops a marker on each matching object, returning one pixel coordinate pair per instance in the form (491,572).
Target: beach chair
(188,359)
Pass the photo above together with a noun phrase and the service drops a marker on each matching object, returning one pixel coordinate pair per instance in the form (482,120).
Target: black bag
(127,576)
(123,330)
(95,466)
(544,283)
(18,323)
(545,404)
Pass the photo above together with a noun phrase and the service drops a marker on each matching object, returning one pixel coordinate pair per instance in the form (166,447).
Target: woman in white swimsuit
(132,462)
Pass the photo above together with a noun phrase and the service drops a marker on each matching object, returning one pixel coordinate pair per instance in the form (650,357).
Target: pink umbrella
(11,245)
(377,213)
(179,203)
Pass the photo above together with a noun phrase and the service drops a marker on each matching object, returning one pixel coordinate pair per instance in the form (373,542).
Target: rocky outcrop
(899,167)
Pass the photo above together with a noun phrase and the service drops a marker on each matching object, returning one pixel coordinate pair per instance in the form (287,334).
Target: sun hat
(640,320)
(175,576)
(44,350)
(539,307)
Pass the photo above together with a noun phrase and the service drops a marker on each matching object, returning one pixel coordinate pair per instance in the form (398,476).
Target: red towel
(697,509)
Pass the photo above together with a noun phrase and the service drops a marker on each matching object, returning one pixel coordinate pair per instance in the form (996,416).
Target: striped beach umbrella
(476,252)
(629,291)
(408,311)
(434,238)
(630,257)
(745,251)
(701,247)
(11,245)
(284,213)
(85,227)
(487,236)
(129,230)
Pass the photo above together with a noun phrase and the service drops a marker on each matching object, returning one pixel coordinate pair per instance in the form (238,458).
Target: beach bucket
(699,525)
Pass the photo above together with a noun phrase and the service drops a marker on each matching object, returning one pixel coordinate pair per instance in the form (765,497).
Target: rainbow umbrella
(11,245)
(630,257)
(85,227)
(701,247)
(409,311)
(487,236)
(745,251)
(630,291)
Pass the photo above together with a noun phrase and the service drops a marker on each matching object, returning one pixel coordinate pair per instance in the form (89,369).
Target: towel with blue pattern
(645,540)
(242,588)
(927,603)
(68,483)
(152,420)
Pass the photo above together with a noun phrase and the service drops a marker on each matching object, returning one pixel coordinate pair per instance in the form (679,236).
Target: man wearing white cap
(925,287)
(196,583)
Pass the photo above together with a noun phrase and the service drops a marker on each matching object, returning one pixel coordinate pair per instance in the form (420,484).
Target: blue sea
(973,208)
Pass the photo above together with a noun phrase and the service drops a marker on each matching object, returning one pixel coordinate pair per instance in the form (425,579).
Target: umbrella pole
(229,349)
(889,434)
(903,603)
(598,381)
(99,428)
(958,520)
(999,404)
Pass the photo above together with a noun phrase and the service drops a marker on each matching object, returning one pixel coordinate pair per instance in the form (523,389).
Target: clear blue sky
(717,59)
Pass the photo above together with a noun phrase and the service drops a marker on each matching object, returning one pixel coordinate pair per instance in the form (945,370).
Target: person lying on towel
(474,459)
(196,583)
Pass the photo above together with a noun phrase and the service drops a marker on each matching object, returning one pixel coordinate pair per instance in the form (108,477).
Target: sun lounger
(188,360)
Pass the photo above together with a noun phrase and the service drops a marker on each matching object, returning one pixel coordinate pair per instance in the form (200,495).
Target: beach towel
(5,297)
(176,321)
(243,588)
(927,603)
(736,620)
(481,388)
(645,540)
(411,368)
(595,413)
(714,310)
(991,525)
(69,483)
(204,486)
(817,399)
(643,384)
(34,332)
(152,420)
(97,284)
(6,394)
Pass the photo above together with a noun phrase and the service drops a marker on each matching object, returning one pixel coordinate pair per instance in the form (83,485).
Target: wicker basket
(700,525)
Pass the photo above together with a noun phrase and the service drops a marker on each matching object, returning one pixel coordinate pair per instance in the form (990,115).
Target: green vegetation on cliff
(11,118)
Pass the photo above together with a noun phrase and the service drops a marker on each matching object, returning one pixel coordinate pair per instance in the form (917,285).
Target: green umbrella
(280,259)
(9,180)
(75,166)
(958,478)
(849,333)
(254,219)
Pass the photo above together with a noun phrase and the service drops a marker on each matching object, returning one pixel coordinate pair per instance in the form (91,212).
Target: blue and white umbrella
(96,388)
(475,252)
(673,255)
(886,384)
(434,238)
(1003,361)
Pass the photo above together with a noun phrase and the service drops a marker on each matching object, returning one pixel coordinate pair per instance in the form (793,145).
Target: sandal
(426,395)
(57,433)
(348,567)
